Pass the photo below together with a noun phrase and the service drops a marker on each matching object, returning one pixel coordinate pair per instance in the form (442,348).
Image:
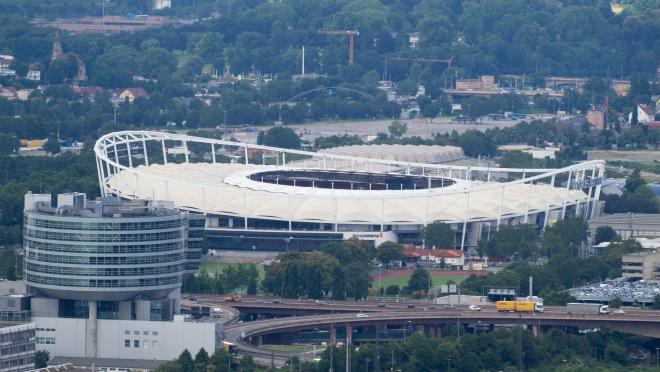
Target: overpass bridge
(249,336)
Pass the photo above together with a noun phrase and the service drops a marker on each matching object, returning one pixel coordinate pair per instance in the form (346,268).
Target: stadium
(265,198)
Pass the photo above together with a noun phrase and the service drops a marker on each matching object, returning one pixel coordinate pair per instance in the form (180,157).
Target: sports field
(401,277)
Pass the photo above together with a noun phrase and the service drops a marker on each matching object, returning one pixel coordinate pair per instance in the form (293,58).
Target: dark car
(277,301)
(412,306)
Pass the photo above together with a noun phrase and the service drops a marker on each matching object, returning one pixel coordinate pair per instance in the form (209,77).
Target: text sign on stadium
(585,184)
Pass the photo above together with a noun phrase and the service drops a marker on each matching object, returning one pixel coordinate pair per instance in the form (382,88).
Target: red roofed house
(8,93)
(452,257)
(131,94)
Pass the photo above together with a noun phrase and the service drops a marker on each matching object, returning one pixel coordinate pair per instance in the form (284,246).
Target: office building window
(127,343)
(136,344)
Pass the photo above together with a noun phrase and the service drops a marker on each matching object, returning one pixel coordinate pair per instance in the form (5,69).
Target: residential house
(452,258)
(131,94)
(33,75)
(8,93)
(87,92)
(645,114)
(596,116)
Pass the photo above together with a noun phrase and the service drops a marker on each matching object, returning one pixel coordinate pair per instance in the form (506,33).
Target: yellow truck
(519,306)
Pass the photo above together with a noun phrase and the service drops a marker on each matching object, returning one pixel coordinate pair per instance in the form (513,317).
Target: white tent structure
(300,191)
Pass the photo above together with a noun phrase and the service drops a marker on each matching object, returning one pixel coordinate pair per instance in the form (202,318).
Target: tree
(389,251)
(516,159)
(41,358)
(392,290)
(397,129)
(281,136)
(186,361)
(420,280)
(605,234)
(438,235)
(656,302)
(202,357)
(616,302)
(52,145)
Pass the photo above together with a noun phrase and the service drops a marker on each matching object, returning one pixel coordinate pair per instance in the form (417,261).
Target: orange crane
(351,35)
(427,60)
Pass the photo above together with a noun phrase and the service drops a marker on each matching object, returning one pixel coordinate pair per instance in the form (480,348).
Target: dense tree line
(219,361)
(18,175)
(500,350)
(242,277)
(565,267)
(637,197)
(336,270)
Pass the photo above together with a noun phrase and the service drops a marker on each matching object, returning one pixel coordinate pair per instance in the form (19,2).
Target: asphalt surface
(374,312)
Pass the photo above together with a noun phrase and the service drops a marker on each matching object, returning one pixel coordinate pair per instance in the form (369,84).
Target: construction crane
(351,35)
(426,60)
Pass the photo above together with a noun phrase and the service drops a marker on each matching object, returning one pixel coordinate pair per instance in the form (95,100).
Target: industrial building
(265,198)
(641,266)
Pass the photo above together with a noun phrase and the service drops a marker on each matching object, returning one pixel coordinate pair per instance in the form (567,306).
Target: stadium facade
(266,198)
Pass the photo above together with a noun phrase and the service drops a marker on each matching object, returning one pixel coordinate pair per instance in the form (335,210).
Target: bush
(392,290)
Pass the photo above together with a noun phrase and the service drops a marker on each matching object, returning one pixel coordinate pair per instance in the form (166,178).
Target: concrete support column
(333,336)
(438,331)
(259,340)
(90,347)
(349,335)
(536,330)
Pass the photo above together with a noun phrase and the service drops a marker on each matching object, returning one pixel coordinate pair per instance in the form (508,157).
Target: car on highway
(277,301)
(619,311)
(320,302)
(474,308)
(383,305)
(412,306)
(361,315)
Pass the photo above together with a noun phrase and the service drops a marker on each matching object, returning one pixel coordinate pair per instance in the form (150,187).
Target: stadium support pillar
(213,152)
(547,204)
(128,151)
(284,159)
(529,195)
(90,347)
(185,149)
(590,205)
(601,169)
(467,211)
(162,142)
(499,215)
(144,151)
(568,189)
(99,173)
(324,161)
(246,154)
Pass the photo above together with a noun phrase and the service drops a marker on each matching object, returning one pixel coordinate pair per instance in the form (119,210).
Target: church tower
(57,47)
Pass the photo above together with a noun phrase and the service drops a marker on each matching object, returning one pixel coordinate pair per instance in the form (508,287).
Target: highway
(425,315)
(648,322)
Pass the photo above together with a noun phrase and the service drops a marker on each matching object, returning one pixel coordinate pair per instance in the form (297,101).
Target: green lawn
(402,280)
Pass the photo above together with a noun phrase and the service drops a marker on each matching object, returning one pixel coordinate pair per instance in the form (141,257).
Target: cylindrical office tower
(108,250)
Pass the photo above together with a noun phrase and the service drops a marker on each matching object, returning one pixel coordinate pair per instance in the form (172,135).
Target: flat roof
(107,362)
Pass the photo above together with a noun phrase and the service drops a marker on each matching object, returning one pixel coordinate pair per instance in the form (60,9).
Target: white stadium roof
(226,189)
(405,153)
